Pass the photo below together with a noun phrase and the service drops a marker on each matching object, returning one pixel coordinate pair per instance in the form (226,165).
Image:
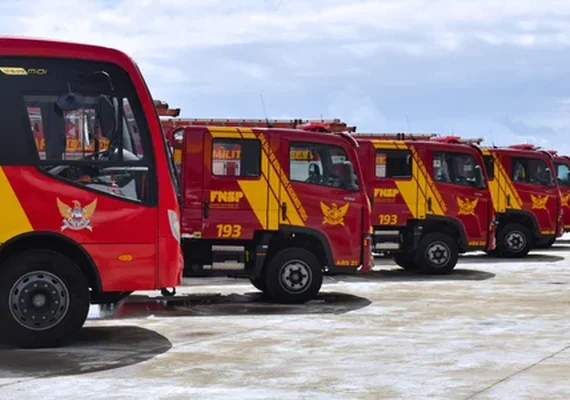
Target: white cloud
(370,61)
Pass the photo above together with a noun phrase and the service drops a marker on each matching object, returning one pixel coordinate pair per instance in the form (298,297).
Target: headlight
(174,224)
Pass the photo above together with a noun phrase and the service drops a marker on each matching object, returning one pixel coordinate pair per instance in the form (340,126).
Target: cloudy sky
(475,68)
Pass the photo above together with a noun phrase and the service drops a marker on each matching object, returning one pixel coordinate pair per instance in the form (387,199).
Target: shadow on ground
(555,247)
(94,349)
(254,303)
(401,275)
(488,259)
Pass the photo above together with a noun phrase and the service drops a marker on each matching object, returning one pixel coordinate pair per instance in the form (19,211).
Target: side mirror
(480,177)
(313,169)
(105,114)
(349,178)
(70,101)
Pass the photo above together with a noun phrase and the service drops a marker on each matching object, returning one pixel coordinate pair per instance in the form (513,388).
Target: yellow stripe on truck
(280,186)
(420,188)
(13,217)
(265,194)
(502,187)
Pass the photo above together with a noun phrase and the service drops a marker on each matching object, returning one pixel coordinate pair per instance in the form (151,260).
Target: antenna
(409,127)
(264,111)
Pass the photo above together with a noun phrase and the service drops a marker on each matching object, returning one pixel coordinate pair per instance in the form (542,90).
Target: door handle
(283,211)
(508,200)
(478,194)
(429,204)
(206,209)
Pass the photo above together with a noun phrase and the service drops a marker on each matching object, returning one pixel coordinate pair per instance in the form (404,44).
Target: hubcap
(438,254)
(515,241)
(39,300)
(295,276)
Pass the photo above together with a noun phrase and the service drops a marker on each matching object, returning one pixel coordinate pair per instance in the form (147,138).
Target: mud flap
(260,255)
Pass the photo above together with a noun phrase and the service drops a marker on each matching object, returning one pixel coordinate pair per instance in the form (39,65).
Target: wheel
(437,253)
(406,261)
(545,244)
(514,241)
(259,283)
(44,299)
(293,275)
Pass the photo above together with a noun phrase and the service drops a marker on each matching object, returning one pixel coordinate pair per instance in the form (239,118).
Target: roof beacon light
(458,140)
(525,146)
(396,136)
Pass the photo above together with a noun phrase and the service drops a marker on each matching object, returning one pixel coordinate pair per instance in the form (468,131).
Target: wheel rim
(295,276)
(515,241)
(438,254)
(39,300)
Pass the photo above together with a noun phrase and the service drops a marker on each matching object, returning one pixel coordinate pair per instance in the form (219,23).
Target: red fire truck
(526,197)
(278,205)
(562,165)
(430,198)
(90,210)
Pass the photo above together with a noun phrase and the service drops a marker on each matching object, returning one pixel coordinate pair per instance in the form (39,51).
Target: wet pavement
(492,329)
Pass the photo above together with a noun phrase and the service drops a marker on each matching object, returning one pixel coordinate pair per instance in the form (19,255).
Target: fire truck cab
(562,165)
(83,219)
(526,197)
(280,206)
(430,199)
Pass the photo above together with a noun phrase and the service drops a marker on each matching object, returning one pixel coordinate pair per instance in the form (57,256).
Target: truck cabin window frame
(393,164)
(489,166)
(562,174)
(78,121)
(531,171)
(321,164)
(457,168)
(236,158)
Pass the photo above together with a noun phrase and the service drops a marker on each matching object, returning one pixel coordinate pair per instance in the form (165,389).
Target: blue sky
(496,69)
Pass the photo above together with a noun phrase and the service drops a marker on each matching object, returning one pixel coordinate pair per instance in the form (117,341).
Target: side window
(236,157)
(321,164)
(79,121)
(396,164)
(457,169)
(563,174)
(489,166)
(532,171)
(441,171)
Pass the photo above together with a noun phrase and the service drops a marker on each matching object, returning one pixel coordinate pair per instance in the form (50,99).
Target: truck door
(191,167)
(319,197)
(235,194)
(535,183)
(562,166)
(459,180)
(391,178)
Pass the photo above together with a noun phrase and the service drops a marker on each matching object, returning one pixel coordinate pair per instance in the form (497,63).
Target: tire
(406,261)
(298,264)
(437,254)
(259,284)
(545,244)
(55,312)
(514,241)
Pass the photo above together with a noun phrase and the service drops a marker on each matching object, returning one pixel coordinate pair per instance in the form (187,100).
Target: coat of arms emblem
(76,217)
(334,215)
(466,206)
